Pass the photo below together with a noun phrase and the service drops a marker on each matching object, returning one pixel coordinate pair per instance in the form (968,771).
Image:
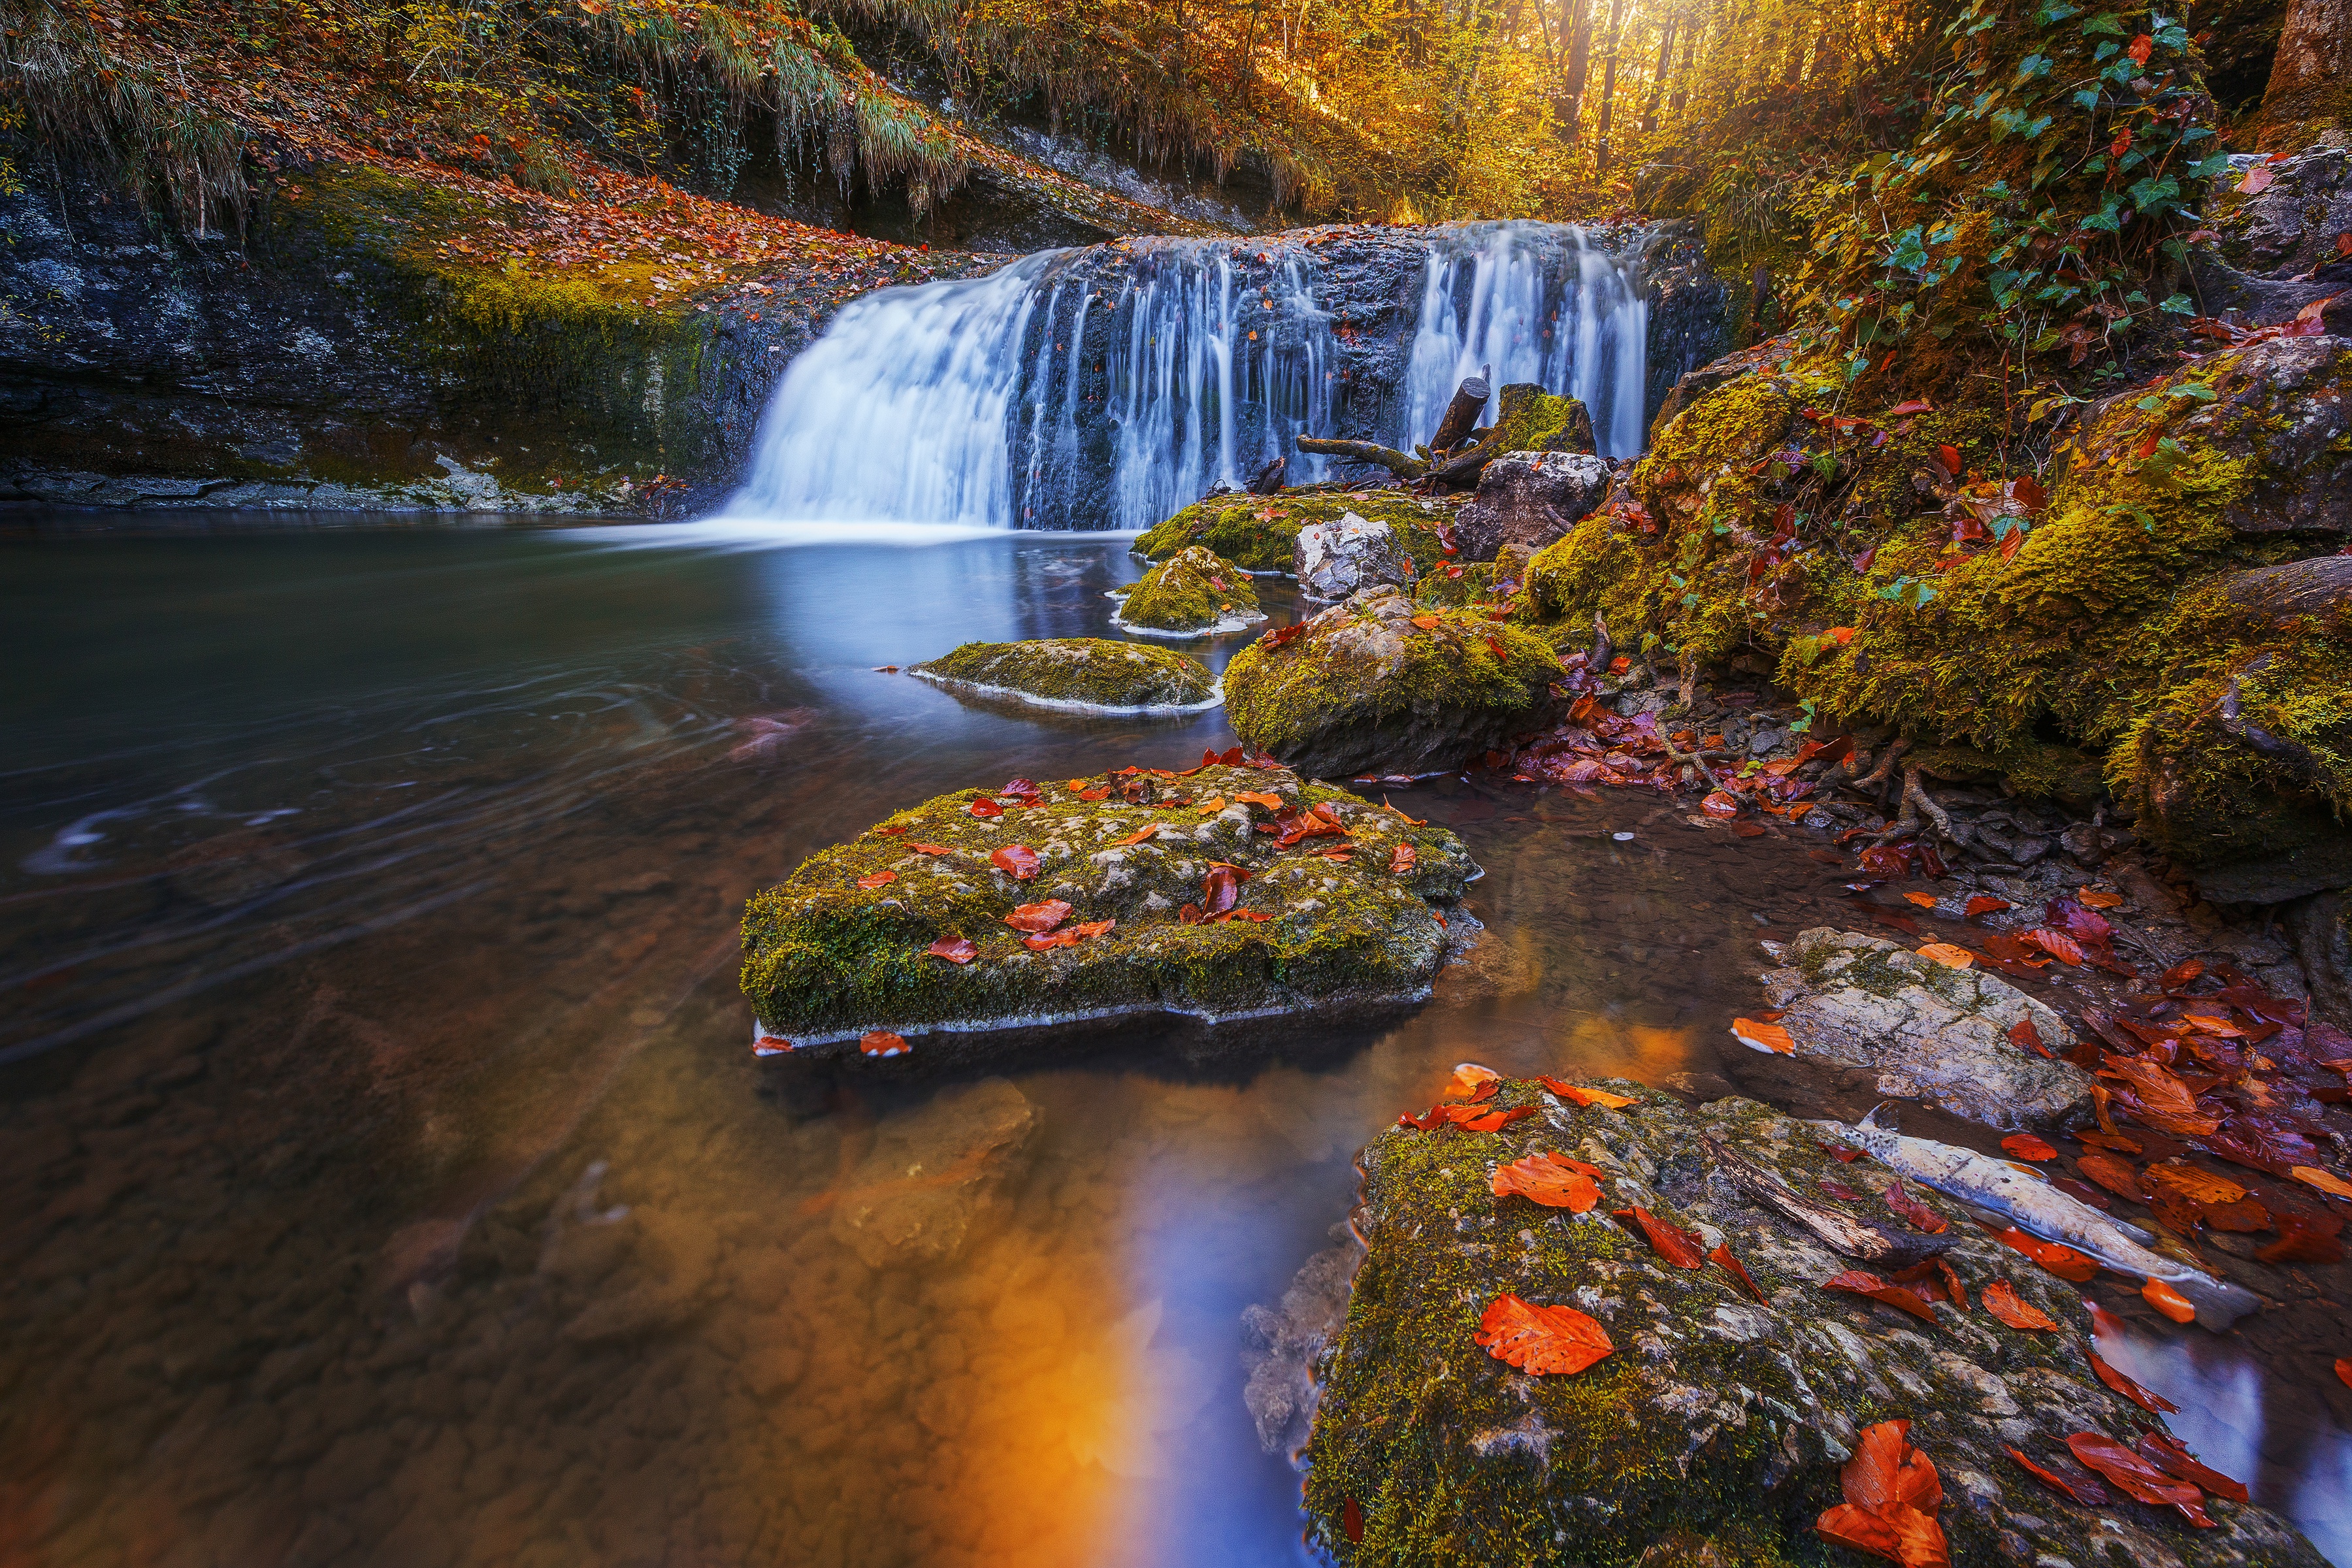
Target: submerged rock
(1260,533)
(1075,672)
(1929,1031)
(1283,1342)
(1716,1418)
(1529,499)
(1368,687)
(1191,594)
(1334,560)
(845,945)
(936,1176)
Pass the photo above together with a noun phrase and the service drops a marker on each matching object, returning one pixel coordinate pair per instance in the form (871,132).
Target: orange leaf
(954,949)
(2344,1370)
(2167,1300)
(2064,1261)
(879,879)
(930,849)
(1950,956)
(984,806)
(1886,1471)
(2172,1456)
(2135,1475)
(1769,1037)
(1213,804)
(1920,1216)
(2115,1378)
(1548,1180)
(2092,899)
(2199,1187)
(1671,1242)
(2002,1299)
(1721,1258)
(1986,904)
(1925,900)
(1042,917)
(1260,797)
(1016,860)
(1541,1339)
(2313,1177)
(1469,1077)
(1401,859)
(1140,834)
(2056,943)
(2086,1492)
(1576,1096)
(1426,623)
(2026,1146)
(1718,804)
(1862,1282)
(2120,1177)
(883,1043)
(2140,48)
(1862,1530)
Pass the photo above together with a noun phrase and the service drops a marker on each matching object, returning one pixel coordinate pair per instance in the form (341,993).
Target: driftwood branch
(1404,465)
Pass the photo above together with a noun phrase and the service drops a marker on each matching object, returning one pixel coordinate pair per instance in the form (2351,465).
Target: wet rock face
(843,946)
(1367,688)
(1529,499)
(1334,560)
(2277,251)
(936,1176)
(1086,672)
(1716,1417)
(1283,1342)
(1931,1032)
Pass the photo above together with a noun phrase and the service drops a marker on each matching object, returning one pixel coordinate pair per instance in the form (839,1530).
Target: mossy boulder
(1260,533)
(1380,684)
(1714,1430)
(1075,672)
(1191,594)
(841,947)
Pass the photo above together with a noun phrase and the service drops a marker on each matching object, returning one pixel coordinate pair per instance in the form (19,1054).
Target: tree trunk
(1608,87)
(1577,23)
(1658,78)
(1683,75)
(2311,76)
(1462,414)
(1404,465)
(1249,56)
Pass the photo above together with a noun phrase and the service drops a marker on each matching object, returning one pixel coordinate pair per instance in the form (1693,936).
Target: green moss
(1367,665)
(1529,419)
(1092,670)
(1190,591)
(1260,533)
(826,957)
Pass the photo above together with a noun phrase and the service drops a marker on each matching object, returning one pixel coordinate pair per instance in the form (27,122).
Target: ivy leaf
(2104,22)
(2050,16)
(2180,305)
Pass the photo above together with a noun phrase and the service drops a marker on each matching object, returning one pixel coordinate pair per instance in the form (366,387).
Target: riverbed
(390,1182)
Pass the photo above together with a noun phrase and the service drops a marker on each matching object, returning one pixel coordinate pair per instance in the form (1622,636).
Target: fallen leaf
(878,880)
(1139,835)
(2056,943)
(2154,1083)
(2114,1141)
(1469,1078)
(2148,1399)
(1401,860)
(2120,1177)
(1892,1493)
(930,849)
(1094,928)
(2136,1475)
(1220,889)
(1101,791)
(2026,1146)
(770,1045)
(1718,804)
(1925,900)
(889,832)
(2002,1299)
(1918,1214)
(1581,1097)
(1721,1258)
(1549,1180)
(2092,898)
(1985,904)
(1042,917)
(984,806)
(2026,1038)
(1839,1153)
(2313,1177)
(2199,1187)
(1760,1036)
(1840,1190)
(2172,1455)
(1213,804)
(2344,1370)
(2167,1300)
(1945,953)
(1066,937)
(1351,1521)
(1426,623)
(2064,1261)
(1862,1282)
(883,1043)
(2302,1240)
(1016,860)
(954,949)
(1670,1241)
(2082,1488)
(1541,1339)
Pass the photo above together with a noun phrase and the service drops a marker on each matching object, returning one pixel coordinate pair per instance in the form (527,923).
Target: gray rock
(2322,928)
(936,1176)
(1529,499)
(1931,1032)
(2288,231)
(1333,560)
(1283,1342)
(657,1290)
(2275,878)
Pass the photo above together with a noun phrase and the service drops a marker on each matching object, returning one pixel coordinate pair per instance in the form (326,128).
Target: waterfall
(1109,387)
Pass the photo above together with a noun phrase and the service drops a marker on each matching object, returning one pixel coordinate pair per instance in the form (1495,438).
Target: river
(388,1180)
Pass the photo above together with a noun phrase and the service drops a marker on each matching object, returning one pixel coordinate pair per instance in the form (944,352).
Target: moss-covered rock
(1191,594)
(1379,684)
(841,947)
(1075,672)
(1260,533)
(1714,1430)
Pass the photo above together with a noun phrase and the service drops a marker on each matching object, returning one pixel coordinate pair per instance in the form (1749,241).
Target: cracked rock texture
(1714,1430)
(1931,1032)
(1529,499)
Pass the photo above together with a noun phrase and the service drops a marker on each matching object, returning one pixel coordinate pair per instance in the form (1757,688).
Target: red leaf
(1038,917)
(1541,1339)
(1920,1214)
(2168,1453)
(883,1043)
(770,1045)
(1951,457)
(2138,49)
(2302,1240)
(2120,1177)
(1718,804)
(1139,835)
(2136,1475)
(1862,1282)
(2026,1146)
(1671,1242)
(1220,889)
(2002,1299)
(984,806)
(1886,1470)
(2026,1038)
(2056,943)
(2064,1261)
(930,849)
(2082,1489)
(878,880)
(1550,1179)
(1401,859)
(1351,1521)
(2182,973)
(2148,1399)
(1985,904)
(954,949)
(1721,1258)
(1016,860)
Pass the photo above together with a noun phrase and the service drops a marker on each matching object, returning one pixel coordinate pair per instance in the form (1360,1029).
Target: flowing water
(1109,387)
(388,1182)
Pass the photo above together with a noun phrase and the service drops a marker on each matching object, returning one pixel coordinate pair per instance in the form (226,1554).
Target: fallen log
(1404,465)
(1462,414)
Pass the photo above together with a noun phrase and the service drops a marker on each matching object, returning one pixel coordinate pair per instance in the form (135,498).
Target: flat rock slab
(1380,684)
(1082,673)
(841,948)
(1714,1430)
(1931,1032)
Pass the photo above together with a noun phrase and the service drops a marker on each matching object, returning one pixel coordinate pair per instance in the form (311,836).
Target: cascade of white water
(1089,389)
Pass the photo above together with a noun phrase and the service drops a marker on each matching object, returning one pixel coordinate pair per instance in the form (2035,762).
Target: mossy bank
(1260,533)
(1335,904)
(1075,672)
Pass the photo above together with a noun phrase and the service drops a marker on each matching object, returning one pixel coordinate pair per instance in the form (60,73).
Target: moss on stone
(1094,671)
(827,958)
(1260,533)
(1191,591)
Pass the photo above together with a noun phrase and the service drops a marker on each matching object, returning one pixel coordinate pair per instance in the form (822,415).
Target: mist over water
(1109,387)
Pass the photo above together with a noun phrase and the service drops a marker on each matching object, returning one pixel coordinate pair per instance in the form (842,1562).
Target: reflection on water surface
(388,1184)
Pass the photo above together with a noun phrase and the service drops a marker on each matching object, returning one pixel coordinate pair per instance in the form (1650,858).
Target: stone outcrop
(1380,684)
(1192,594)
(1333,560)
(1529,499)
(844,946)
(1715,1429)
(1929,1031)
(1260,533)
(1075,672)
